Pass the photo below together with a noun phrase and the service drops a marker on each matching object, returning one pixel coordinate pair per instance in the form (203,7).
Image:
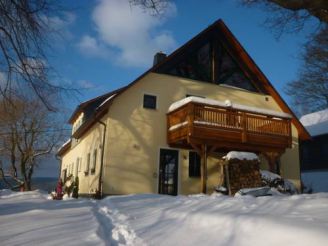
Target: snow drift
(30,219)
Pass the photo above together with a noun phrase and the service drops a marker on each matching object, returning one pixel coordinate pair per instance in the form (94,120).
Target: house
(314,152)
(167,131)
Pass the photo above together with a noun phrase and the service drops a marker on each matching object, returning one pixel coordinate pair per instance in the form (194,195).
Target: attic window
(149,101)
(212,61)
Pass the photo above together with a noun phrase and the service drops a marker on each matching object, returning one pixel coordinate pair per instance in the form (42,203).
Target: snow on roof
(241,155)
(316,123)
(106,100)
(63,145)
(227,103)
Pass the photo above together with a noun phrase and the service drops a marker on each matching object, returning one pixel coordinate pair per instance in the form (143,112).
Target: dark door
(168,172)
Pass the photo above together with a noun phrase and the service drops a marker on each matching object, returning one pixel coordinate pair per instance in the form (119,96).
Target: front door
(168,172)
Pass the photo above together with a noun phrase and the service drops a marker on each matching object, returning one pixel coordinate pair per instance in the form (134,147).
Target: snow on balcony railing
(227,104)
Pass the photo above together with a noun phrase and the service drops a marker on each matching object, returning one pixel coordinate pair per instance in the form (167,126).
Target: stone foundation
(242,174)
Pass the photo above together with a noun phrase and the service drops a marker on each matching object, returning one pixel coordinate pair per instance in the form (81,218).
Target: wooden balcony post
(204,168)
(168,125)
(191,118)
(289,129)
(244,127)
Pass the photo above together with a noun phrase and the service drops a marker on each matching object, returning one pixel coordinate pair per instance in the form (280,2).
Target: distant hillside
(38,183)
(46,184)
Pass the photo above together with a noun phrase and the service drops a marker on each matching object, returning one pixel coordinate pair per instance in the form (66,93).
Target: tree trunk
(25,175)
(29,176)
(27,185)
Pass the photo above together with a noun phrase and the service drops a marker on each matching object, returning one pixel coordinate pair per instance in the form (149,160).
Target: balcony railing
(208,123)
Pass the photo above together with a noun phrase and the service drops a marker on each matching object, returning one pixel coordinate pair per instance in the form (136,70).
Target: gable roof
(64,148)
(93,104)
(316,123)
(245,61)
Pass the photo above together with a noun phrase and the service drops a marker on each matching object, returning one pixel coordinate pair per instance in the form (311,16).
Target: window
(231,74)
(149,101)
(64,175)
(194,164)
(195,65)
(78,164)
(94,162)
(211,62)
(72,169)
(87,165)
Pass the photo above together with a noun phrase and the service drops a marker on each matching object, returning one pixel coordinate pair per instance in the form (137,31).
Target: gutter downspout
(100,188)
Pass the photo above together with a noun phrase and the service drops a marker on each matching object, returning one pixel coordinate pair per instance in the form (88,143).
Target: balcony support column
(204,168)
(202,150)
(272,158)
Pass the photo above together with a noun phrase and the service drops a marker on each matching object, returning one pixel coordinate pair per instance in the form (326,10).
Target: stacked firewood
(243,174)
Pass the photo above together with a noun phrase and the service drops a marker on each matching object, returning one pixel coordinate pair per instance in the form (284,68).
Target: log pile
(243,174)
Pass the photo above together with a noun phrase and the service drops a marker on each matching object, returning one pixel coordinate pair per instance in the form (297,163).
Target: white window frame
(94,161)
(87,164)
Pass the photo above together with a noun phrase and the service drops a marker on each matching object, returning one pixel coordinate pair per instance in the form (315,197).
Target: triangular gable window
(209,62)
(195,65)
(229,73)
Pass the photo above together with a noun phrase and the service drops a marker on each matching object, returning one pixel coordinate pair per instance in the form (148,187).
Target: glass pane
(194,164)
(196,65)
(149,101)
(231,74)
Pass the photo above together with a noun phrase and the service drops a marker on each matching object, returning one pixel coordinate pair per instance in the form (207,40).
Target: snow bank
(276,181)
(149,219)
(241,155)
(269,175)
(28,218)
(316,123)
(227,104)
(222,220)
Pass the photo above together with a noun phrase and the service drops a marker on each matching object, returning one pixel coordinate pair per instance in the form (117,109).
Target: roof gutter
(99,193)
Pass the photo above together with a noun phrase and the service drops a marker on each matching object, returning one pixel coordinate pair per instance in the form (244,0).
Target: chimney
(159,57)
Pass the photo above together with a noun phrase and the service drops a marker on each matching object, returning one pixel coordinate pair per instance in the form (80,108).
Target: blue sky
(107,44)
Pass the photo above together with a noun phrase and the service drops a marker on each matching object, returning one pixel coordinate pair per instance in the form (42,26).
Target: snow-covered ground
(31,219)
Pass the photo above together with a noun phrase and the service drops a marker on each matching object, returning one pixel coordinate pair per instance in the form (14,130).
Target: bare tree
(310,91)
(317,8)
(154,7)
(24,28)
(291,16)
(29,131)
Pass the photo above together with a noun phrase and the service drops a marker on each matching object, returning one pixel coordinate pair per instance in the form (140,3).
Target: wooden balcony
(227,128)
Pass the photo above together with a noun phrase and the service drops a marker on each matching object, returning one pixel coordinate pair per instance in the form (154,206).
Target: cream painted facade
(81,158)
(135,136)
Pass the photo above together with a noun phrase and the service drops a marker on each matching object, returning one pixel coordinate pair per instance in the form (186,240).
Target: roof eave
(302,132)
